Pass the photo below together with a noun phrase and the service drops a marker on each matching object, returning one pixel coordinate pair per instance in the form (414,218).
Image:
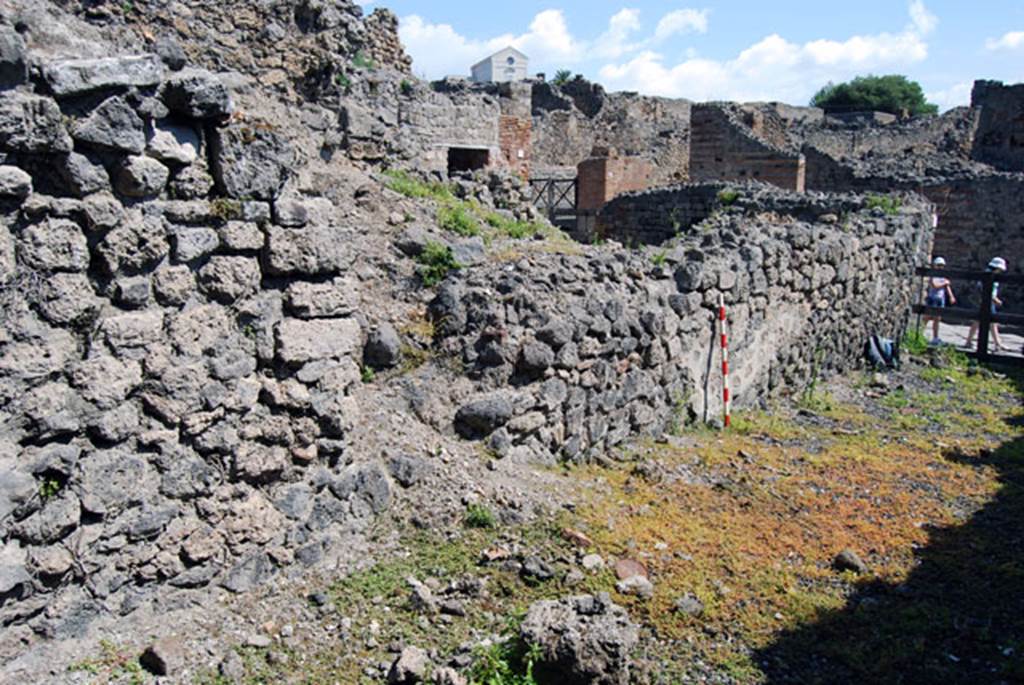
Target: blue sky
(727,50)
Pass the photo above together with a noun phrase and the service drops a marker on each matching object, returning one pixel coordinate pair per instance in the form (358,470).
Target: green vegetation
(362,61)
(810,399)
(562,76)
(367,374)
(226,209)
(512,228)
(894,94)
(406,184)
(507,662)
(49,488)
(406,87)
(659,258)
(436,262)
(113,665)
(728,197)
(479,516)
(887,203)
(458,218)
(914,342)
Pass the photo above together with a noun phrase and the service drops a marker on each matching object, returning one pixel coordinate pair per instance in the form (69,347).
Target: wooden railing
(983,314)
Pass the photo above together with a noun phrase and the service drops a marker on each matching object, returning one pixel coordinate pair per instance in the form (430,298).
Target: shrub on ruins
(458,218)
(562,76)
(887,203)
(511,227)
(894,94)
(436,261)
(404,183)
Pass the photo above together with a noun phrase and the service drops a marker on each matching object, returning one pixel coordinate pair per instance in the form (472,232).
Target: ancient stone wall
(1000,136)
(178,341)
(921,140)
(292,46)
(724,148)
(573,354)
(980,210)
(655,129)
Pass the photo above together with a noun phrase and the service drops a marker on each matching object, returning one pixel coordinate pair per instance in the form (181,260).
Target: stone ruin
(199,259)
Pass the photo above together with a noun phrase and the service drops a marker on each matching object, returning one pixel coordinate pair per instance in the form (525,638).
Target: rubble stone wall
(655,129)
(1000,136)
(722,149)
(178,342)
(980,211)
(574,353)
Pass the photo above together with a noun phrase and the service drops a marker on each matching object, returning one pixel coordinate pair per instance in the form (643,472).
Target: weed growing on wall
(887,203)
(728,197)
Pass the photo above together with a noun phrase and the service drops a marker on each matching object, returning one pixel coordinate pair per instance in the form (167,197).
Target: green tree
(894,94)
(562,76)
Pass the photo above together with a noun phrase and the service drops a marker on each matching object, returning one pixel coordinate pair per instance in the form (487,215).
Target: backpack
(882,353)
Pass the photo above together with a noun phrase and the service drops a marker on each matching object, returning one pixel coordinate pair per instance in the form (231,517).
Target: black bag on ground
(882,353)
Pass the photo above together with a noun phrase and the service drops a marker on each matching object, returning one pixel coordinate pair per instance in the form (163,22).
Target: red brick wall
(602,179)
(721,150)
(514,136)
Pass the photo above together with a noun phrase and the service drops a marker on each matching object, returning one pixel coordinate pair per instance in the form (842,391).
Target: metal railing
(557,197)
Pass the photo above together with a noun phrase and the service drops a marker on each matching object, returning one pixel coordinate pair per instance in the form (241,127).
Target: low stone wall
(573,354)
(653,217)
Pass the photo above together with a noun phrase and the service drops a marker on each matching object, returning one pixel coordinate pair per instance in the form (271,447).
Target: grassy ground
(922,479)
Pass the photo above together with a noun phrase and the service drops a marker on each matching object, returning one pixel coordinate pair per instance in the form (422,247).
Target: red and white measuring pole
(726,397)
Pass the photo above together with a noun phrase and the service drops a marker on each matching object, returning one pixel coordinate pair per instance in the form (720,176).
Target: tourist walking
(940,294)
(998,265)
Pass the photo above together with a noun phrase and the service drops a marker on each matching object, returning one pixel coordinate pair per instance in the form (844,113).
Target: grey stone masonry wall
(179,338)
(980,210)
(656,216)
(1000,136)
(573,354)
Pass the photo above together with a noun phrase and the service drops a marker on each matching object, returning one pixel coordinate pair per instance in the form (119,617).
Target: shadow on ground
(958,618)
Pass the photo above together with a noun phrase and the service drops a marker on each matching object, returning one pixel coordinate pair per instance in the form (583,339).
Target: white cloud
(775,68)
(1014,40)
(681,21)
(957,95)
(922,21)
(439,50)
(615,41)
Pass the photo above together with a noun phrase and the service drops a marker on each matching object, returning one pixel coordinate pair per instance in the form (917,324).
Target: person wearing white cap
(997,264)
(940,293)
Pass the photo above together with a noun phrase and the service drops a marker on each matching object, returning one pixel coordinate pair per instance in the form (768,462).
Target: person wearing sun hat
(997,264)
(940,293)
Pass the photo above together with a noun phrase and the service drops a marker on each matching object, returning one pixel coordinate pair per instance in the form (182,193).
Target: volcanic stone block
(76,77)
(113,125)
(250,161)
(30,123)
(304,341)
